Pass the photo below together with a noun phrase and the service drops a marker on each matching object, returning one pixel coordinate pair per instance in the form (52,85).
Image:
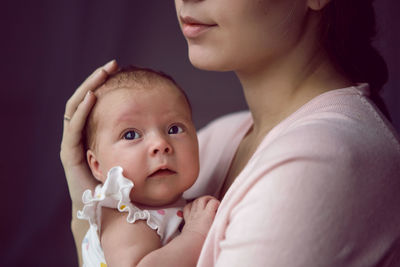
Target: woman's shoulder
(337,137)
(342,133)
(339,120)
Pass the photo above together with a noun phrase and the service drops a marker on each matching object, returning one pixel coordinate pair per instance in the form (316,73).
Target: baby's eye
(131,135)
(175,129)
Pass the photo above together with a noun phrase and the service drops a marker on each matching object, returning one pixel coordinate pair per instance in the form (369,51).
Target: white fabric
(114,193)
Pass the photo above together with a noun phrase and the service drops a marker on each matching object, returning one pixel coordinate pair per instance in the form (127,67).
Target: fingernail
(109,63)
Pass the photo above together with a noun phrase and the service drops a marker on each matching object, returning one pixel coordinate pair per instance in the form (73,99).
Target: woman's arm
(78,175)
(126,244)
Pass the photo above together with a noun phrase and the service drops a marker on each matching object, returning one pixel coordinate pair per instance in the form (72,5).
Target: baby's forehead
(141,96)
(134,88)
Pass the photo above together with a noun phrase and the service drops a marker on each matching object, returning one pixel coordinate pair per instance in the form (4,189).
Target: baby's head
(142,122)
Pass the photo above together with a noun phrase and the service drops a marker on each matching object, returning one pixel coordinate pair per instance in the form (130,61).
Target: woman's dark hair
(348,28)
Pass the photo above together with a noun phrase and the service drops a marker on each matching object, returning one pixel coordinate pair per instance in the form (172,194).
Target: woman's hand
(72,153)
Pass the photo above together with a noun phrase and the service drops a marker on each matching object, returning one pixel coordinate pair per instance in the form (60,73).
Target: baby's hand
(199,215)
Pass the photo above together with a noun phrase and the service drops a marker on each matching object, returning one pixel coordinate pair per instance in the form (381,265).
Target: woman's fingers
(91,83)
(111,67)
(75,125)
(76,112)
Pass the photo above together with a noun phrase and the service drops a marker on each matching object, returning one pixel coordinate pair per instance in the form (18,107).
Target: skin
(273,48)
(144,130)
(198,215)
(245,26)
(120,249)
(271,45)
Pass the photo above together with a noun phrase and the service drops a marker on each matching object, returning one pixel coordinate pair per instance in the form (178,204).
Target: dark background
(47,49)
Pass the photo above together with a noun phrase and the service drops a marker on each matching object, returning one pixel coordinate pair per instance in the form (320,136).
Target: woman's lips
(192,28)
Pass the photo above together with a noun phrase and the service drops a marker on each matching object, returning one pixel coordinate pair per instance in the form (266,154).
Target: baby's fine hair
(123,78)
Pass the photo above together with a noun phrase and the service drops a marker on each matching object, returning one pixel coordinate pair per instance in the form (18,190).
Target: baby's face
(150,134)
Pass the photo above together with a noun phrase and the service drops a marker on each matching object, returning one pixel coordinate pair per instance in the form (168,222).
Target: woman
(308,177)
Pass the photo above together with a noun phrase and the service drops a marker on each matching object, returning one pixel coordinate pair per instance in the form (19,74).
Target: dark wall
(48,48)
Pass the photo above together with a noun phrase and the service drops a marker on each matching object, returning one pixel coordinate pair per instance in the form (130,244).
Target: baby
(142,146)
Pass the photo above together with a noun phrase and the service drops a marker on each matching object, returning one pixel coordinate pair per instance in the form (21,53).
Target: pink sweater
(322,189)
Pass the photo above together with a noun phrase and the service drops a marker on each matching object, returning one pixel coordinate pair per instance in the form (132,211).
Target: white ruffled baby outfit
(114,193)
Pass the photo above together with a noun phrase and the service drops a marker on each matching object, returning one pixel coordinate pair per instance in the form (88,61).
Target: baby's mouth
(161,172)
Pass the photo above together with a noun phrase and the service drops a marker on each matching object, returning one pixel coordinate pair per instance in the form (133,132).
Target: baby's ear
(94,165)
(317,4)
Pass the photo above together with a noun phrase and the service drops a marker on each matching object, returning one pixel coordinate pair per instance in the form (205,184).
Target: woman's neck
(275,91)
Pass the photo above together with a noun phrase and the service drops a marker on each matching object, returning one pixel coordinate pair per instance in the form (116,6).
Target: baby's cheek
(131,172)
(190,177)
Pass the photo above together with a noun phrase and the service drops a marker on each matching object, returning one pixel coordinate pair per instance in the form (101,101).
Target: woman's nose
(160,146)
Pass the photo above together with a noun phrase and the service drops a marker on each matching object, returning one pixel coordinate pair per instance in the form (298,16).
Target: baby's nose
(165,150)
(160,146)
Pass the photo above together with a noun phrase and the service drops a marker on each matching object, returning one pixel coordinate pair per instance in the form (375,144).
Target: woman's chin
(209,63)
